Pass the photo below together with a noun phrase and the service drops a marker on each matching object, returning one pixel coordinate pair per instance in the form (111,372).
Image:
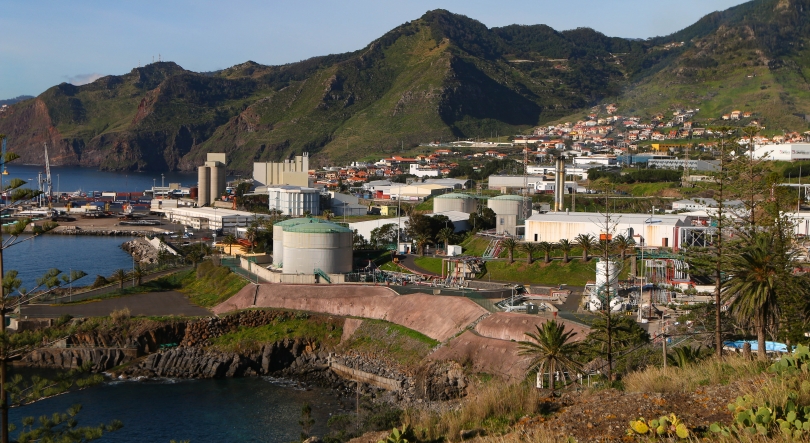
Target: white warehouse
(787,152)
(645,229)
(212,218)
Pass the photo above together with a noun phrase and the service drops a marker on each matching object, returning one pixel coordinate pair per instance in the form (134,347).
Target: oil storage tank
(455,202)
(278,237)
(309,246)
(510,210)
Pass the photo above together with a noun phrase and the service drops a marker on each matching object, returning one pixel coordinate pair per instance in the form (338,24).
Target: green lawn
(326,331)
(429,264)
(575,273)
(405,346)
(210,285)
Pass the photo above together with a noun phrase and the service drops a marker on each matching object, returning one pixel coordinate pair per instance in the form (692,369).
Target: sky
(44,43)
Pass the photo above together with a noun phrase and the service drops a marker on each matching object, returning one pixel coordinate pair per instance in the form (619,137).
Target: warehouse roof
(298,221)
(509,197)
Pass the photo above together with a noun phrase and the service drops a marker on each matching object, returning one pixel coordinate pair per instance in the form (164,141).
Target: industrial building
(211,218)
(510,211)
(289,172)
(675,163)
(455,202)
(345,204)
(211,179)
(316,247)
(460,223)
(294,201)
(647,230)
(786,152)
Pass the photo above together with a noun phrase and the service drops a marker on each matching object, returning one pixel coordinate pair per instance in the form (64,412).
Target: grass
(325,331)
(169,282)
(575,273)
(430,264)
(398,343)
(708,372)
(210,285)
(494,406)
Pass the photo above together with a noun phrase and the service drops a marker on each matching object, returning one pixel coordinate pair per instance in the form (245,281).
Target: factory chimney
(559,187)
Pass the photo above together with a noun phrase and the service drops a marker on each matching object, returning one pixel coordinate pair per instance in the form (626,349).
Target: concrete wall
(438,317)
(295,279)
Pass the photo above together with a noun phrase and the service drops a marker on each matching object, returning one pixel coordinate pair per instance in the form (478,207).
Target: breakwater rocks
(76,230)
(141,250)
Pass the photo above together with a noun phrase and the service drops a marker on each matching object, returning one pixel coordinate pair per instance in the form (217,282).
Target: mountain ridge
(442,76)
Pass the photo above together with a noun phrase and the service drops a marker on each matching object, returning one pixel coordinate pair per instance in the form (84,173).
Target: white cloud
(83,79)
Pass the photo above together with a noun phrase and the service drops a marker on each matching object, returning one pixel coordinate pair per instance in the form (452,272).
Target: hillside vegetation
(440,77)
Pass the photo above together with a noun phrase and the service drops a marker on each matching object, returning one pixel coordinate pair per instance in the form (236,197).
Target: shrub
(120,315)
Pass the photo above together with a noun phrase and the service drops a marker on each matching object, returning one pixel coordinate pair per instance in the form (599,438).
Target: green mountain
(753,57)
(441,77)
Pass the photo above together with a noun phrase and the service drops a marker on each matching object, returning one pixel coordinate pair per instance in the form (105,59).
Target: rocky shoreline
(140,355)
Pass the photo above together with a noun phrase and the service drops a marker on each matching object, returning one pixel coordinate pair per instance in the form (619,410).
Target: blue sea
(258,409)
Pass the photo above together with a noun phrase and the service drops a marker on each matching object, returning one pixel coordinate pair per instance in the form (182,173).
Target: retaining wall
(438,317)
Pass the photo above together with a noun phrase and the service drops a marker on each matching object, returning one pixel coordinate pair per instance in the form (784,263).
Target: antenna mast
(47,188)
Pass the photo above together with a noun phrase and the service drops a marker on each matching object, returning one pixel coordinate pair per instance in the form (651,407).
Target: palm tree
(550,348)
(565,246)
(422,240)
(327,214)
(120,275)
(250,235)
(229,240)
(530,249)
(586,242)
(623,243)
(546,248)
(137,275)
(752,287)
(445,235)
(683,356)
(510,244)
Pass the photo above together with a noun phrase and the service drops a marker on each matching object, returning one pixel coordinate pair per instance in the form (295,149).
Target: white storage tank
(455,202)
(310,246)
(203,183)
(612,272)
(278,237)
(511,205)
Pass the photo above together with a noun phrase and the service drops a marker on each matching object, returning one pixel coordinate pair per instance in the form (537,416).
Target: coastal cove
(249,409)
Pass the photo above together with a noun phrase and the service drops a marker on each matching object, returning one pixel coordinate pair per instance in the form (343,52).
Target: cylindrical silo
(216,178)
(455,202)
(511,205)
(278,237)
(203,183)
(310,246)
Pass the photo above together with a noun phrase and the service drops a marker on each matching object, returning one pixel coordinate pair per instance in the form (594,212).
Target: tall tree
(229,240)
(565,246)
(550,348)
(546,248)
(445,235)
(529,248)
(510,244)
(120,275)
(586,242)
(751,288)
(623,243)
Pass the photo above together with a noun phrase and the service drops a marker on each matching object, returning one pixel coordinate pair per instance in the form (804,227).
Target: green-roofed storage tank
(317,245)
(278,236)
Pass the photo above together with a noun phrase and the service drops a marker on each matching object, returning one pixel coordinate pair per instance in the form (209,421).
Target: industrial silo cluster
(455,202)
(302,245)
(211,179)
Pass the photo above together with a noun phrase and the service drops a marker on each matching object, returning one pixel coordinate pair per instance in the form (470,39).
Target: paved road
(150,304)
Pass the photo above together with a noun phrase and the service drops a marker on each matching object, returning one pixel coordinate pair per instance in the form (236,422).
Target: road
(149,304)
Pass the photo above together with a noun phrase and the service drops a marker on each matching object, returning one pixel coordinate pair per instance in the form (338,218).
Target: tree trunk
(565,257)
(584,256)
(511,257)
(761,330)
(547,258)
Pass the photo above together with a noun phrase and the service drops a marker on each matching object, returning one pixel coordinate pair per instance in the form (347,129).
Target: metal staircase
(494,248)
(323,275)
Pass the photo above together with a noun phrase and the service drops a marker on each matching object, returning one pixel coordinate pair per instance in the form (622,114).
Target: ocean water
(229,410)
(71,178)
(91,254)
(256,409)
